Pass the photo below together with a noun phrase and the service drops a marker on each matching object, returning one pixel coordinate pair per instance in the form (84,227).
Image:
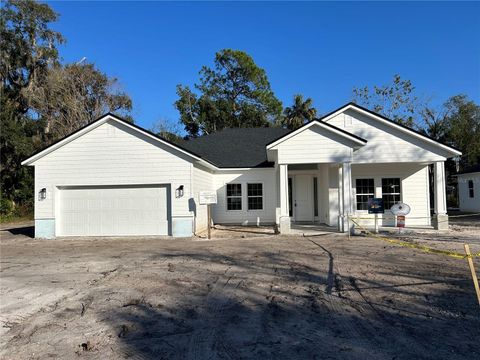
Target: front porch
(312,197)
(319,198)
(327,174)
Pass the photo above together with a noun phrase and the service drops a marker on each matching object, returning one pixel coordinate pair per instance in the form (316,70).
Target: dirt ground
(247,294)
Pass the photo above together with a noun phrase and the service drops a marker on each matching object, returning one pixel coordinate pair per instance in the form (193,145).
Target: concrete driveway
(241,295)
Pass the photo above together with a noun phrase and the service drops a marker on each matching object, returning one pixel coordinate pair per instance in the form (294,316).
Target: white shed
(469,189)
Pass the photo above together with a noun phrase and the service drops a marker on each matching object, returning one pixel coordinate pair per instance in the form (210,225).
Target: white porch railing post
(347,194)
(440,196)
(284,214)
(340,198)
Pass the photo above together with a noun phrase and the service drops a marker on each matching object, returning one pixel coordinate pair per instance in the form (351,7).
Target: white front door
(303,199)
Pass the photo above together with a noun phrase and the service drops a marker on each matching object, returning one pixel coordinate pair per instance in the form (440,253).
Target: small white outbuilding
(469,189)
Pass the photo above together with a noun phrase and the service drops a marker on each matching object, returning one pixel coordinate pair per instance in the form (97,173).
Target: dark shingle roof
(235,148)
(471,169)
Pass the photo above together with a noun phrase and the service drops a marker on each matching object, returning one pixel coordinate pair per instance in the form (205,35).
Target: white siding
(314,145)
(111,154)
(384,143)
(414,190)
(268,177)
(466,202)
(202,181)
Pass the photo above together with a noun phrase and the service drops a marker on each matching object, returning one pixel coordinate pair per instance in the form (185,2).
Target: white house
(469,189)
(114,178)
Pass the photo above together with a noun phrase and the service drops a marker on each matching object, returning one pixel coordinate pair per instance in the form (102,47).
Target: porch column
(440,197)
(345,205)
(284,220)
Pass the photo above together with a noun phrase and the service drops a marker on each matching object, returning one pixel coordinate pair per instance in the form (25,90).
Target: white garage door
(113,211)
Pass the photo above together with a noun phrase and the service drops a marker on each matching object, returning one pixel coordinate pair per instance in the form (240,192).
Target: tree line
(44,99)
(41,98)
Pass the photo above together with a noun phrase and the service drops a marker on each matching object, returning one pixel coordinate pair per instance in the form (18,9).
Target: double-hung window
(391,191)
(470,189)
(255,196)
(365,189)
(234,196)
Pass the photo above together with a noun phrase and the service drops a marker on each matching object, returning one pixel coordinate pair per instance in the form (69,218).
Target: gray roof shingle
(471,169)
(235,148)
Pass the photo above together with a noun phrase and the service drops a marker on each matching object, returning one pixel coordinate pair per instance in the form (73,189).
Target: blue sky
(321,50)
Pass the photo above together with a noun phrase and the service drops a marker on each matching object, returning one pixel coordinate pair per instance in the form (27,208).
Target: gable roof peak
(99,121)
(390,122)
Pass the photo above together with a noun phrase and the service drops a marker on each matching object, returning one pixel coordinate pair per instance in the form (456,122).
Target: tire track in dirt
(207,340)
(263,330)
(355,299)
(337,304)
(24,330)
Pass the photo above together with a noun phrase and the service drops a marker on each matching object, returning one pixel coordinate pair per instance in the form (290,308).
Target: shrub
(6,207)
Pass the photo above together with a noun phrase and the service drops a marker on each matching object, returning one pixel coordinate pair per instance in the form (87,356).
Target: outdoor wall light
(179,192)
(42,194)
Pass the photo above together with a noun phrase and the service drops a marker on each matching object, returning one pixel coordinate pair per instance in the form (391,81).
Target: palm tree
(299,113)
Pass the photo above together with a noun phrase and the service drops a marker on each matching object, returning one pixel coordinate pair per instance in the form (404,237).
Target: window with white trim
(365,189)
(391,192)
(234,196)
(255,196)
(470,189)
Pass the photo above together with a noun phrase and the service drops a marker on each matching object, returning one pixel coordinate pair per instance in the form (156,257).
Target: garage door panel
(113,211)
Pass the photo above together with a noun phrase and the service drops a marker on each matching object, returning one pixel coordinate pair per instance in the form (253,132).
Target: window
(470,188)
(234,196)
(315,197)
(365,190)
(390,192)
(255,196)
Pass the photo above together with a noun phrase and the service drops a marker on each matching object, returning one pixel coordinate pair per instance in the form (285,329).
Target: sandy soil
(241,295)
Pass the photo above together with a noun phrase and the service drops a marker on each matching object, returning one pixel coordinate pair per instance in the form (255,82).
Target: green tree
(463,128)
(299,113)
(395,101)
(27,48)
(457,123)
(71,96)
(235,93)
(434,123)
(42,100)
(168,130)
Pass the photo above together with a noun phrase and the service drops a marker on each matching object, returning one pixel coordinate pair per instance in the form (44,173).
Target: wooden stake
(209,219)
(472,270)
(348,224)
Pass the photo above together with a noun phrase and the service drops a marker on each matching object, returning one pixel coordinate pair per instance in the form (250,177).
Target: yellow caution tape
(417,246)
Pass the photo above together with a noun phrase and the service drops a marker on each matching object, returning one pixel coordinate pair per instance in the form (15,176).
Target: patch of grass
(15,218)
(13,213)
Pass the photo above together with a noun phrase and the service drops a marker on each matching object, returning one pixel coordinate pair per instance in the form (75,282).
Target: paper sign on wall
(207,197)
